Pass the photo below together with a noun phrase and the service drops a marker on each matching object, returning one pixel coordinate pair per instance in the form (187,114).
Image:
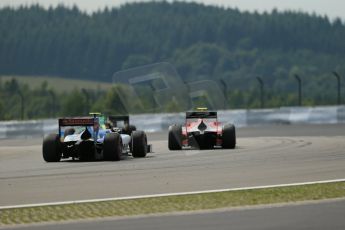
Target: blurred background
(58,58)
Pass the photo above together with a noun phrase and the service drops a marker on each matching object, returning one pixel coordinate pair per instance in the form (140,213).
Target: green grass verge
(58,84)
(171,203)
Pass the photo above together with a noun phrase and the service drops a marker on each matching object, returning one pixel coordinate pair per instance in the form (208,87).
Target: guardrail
(159,122)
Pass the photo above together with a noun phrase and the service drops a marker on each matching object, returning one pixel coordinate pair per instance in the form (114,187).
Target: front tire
(52,148)
(175,137)
(139,144)
(112,147)
(229,136)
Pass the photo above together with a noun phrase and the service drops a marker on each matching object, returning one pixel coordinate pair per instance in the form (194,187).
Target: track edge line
(168,194)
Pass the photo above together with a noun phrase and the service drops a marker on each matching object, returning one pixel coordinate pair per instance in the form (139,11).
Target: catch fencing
(160,122)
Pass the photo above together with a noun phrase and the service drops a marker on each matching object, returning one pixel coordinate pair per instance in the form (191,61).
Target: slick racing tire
(139,144)
(128,129)
(68,131)
(175,137)
(112,147)
(51,148)
(132,128)
(229,136)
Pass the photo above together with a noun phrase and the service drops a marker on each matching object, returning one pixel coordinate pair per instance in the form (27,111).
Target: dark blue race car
(95,138)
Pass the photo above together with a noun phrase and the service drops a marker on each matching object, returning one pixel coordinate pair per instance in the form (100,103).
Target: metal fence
(159,122)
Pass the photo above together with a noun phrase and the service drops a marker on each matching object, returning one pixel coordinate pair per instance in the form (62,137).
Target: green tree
(74,104)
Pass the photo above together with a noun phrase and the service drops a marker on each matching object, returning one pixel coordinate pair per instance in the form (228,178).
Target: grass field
(59,84)
(169,204)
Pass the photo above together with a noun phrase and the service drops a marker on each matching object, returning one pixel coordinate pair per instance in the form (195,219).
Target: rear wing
(115,119)
(79,121)
(201,114)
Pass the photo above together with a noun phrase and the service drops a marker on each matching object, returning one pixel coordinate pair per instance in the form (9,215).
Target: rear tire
(175,137)
(52,148)
(132,128)
(112,147)
(139,144)
(129,129)
(229,136)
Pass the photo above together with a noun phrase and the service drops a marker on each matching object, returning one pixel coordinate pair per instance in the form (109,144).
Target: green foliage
(203,42)
(172,204)
(136,60)
(210,40)
(172,107)
(2,110)
(74,104)
(110,103)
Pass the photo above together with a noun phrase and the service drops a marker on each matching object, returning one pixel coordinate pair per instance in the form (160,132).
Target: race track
(264,156)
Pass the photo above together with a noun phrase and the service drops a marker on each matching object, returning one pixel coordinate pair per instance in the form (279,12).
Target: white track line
(167,194)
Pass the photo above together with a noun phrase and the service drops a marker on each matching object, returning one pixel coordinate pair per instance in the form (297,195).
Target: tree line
(202,42)
(19,101)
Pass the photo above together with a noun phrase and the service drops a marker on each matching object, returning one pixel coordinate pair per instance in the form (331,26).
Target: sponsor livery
(202,130)
(95,138)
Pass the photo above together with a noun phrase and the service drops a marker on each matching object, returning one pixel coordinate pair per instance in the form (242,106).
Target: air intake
(202,126)
(86,134)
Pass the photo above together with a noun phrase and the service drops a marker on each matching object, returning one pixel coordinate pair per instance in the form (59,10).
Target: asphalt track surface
(264,156)
(316,215)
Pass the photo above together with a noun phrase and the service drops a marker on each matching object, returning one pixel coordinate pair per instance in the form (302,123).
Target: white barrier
(159,122)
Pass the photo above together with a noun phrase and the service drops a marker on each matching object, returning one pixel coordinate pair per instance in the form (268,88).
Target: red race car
(203,131)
